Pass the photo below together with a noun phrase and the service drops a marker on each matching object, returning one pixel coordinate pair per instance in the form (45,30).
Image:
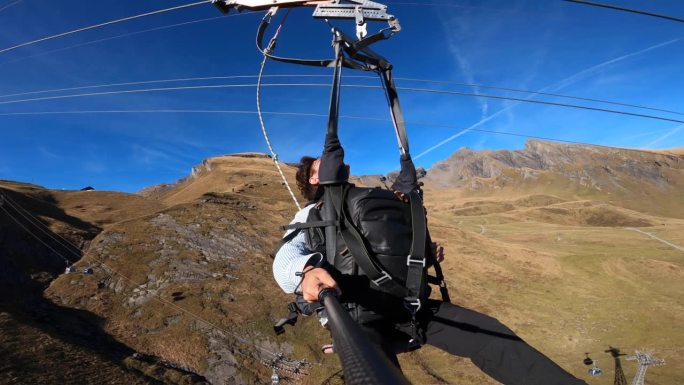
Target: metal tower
(619,374)
(645,360)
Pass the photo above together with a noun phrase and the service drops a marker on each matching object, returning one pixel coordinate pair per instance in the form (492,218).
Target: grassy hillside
(183,290)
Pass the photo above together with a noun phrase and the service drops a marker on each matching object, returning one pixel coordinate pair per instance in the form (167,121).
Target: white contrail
(464,66)
(665,136)
(555,86)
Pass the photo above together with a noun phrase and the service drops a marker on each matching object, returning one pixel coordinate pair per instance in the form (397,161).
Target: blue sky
(549,46)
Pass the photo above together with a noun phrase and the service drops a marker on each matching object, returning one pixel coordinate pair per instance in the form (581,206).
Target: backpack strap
(307,225)
(297,227)
(283,241)
(439,281)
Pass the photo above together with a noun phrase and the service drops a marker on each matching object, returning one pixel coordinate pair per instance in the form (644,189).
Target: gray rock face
(590,166)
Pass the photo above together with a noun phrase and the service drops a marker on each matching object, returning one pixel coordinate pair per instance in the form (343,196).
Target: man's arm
(294,265)
(293,257)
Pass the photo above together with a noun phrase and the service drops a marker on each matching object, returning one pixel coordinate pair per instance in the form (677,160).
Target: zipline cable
(35,222)
(274,155)
(321,115)
(614,7)
(118,37)
(104,24)
(66,260)
(412,89)
(434,81)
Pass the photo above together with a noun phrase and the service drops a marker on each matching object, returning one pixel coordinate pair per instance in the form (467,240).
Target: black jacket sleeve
(332,169)
(407,180)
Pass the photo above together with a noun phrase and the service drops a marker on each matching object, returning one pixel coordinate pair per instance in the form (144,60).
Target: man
(490,345)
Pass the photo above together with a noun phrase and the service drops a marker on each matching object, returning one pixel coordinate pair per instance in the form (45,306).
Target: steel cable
(412,89)
(434,81)
(594,4)
(66,260)
(321,115)
(66,244)
(104,24)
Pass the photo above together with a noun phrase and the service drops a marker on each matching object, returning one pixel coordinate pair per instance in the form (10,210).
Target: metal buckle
(409,261)
(385,277)
(412,304)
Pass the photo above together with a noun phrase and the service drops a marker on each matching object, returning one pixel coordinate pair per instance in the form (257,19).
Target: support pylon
(645,360)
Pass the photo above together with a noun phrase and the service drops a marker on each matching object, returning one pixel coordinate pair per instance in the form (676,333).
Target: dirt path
(680,248)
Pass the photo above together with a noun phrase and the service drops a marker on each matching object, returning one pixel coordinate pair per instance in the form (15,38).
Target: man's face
(313,174)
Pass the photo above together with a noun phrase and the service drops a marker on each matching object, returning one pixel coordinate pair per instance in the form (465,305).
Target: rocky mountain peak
(598,166)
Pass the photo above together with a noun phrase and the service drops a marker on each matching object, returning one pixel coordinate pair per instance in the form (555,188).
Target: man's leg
(490,345)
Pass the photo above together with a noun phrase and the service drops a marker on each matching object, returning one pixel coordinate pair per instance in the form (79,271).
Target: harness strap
(331,229)
(290,319)
(265,50)
(283,241)
(443,289)
(307,225)
(395,110)
(265,22)
(416,259)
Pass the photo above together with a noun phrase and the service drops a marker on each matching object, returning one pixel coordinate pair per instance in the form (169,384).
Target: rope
(104,24)
(274,156)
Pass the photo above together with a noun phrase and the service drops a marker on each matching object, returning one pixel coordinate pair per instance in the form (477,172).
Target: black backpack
(378,236)
(379,253)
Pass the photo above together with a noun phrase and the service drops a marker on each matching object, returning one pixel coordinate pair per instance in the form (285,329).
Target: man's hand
(316,279)
(438,252)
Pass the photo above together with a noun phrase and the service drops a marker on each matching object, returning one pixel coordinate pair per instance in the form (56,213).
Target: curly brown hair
(303,173)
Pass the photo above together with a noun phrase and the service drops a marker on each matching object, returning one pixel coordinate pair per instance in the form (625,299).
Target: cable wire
(435,81)
(169,26)
(412,89)
(66,260)
(320,115)
(601,5)
(36,222)
(104,24)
